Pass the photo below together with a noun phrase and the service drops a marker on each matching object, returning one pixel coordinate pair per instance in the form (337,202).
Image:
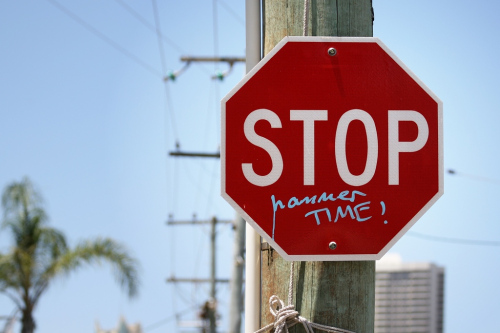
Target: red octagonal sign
(331,148)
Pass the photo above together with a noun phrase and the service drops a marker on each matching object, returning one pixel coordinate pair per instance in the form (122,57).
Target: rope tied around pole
(286,316)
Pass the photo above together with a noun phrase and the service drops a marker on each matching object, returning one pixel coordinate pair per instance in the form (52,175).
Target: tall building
(408,297)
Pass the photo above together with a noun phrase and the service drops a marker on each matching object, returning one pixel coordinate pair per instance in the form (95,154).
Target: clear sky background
(85,114)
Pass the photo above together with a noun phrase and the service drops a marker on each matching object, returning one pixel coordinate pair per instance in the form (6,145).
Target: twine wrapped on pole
(286,316)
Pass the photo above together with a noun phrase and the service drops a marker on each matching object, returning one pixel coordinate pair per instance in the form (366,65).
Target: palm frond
(9,282)
(7,272)
(23,214)
(95,252)
(51,242)
(20,197)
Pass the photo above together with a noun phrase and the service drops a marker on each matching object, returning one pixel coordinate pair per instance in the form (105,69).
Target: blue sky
(84,114)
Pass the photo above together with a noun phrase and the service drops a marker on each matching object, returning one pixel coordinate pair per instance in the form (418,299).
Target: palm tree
(40,253)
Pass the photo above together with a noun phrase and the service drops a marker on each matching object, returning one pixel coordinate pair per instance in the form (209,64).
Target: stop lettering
(309,117)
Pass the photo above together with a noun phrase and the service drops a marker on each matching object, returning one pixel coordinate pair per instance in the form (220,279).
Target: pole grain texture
(339,294)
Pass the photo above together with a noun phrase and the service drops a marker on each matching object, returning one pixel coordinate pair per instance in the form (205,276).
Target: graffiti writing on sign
(352,207)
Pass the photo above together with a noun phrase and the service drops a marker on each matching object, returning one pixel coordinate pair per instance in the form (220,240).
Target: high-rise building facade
(409,297)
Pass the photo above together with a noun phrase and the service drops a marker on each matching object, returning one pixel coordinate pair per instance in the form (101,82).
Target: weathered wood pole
(340,294)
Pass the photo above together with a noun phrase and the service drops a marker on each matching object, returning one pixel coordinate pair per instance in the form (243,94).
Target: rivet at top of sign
(332,51)
(332,245)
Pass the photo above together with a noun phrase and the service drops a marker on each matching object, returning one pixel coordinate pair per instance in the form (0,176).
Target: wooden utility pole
(340,294)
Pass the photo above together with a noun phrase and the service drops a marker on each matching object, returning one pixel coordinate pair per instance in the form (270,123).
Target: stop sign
(331,148)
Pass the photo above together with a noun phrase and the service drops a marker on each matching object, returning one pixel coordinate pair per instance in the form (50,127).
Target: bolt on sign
(331,148)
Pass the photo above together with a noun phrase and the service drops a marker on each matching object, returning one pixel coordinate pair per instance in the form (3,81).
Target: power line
(217,99)
(158,35)
(150,26)
(168,105)
(474,177)
(104,38)
(454,240)
(232,12)
(215,30)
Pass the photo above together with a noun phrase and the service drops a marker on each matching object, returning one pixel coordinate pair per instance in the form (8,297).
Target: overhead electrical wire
(232,12)
(203,171)
(462,241)
(169,109)
(215,164)
(105,38)
(150,26)
(159,37)
(215,28)
(474,177)
(169,105)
